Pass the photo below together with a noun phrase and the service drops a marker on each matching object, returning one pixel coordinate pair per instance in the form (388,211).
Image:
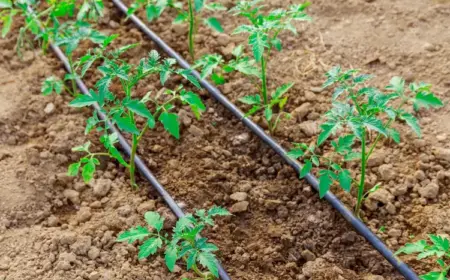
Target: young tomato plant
(43,24)
(365,115)
(439,248)
(263,36)
(122,108)
(184,244)
(191,15)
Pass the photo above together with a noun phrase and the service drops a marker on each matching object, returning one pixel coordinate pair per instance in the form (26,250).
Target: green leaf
(327,130)
(394,134)
(375,124)
(427,100)
(137,233)
(88,171)
(434,275)
(238,51)
(345,143)
(258,41)
(345,180)
(397,84)
(306,168)
(337,92)
(412,122)
(82,148)
(209,261)
(194,101)
(411,248)
(73,169)
(5,4)
(295,153)
(171,256)
(324,184)
(214,24)
(218,211)
(192,259)
(51,84)
(170,123)
(361,78)
(218,79)
(277,44)
(251,99)
(154,220)
(82,101)
(268,113)
(280,91)
(139,108)
(149,247)
(126,124)
(440,242)
(199,5)
(7,23)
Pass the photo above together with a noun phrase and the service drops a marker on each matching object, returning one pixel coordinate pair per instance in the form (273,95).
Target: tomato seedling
(439,248)
(184,244)
(263,36)
(122,108)
(365,115)
(191,15)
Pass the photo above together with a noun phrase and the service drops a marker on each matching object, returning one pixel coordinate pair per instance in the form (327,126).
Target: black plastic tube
(359,226)
(143,169)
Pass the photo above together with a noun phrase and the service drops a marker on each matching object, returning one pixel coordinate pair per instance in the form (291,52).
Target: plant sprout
(122,108)
(263,36)
(184,243)
(191,15)
(364,115)
(439,248)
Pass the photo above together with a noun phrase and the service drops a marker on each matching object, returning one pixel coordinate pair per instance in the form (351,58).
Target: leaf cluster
(154,9)
(184,243)
(439,248)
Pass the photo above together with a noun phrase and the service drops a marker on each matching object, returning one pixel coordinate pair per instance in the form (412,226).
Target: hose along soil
(404,269)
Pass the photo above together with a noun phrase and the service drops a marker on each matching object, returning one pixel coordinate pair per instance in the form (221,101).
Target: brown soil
(54,227)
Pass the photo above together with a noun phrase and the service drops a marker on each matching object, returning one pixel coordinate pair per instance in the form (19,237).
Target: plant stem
(191,29)
(132,167)
(264,88)
(363,175)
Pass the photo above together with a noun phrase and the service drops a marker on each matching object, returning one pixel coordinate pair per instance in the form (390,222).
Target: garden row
(362,111)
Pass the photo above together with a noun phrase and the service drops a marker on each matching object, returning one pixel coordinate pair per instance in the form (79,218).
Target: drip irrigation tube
(359,226)
(143,169)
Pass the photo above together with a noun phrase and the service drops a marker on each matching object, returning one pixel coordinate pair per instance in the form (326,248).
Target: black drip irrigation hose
(359,226)
(143,169)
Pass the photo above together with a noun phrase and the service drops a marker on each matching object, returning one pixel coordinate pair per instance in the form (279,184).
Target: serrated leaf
(361,78)
(411,248)
(209,261)
(397,84)
(218,211)
(345,180)
(218,79)
(251,99)
(154,220)
(139,108)
(258,41)
(412,122)
(88,171)
(171,256)
(440,242)
(427,100)
(170,123)
(280,91)
(194,101)
(192,259)
(327,130)
(337,92)
(394,134)
(306,168)
(324,184)
(126,124)
(375,124)
(277,44)
(82,101)
(295,153)
(133,234)
(149,247)
(73,169)
(213,23)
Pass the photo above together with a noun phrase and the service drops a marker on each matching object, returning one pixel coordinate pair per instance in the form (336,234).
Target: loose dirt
(55,227)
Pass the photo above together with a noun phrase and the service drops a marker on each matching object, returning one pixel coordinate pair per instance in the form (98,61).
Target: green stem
(191,29)
(363,175)
(132,167)
(264,88)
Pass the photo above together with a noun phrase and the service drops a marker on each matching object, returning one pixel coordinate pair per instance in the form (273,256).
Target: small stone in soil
(149,205)
(308,255)
(429,191)
(49,108)
(101,187)
(239,207)
(239,196)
